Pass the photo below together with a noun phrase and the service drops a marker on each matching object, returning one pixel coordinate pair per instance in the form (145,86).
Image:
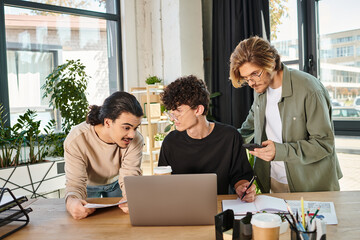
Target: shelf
(153,121)
(144,91)
(149,98)
(150,88)
(153,152)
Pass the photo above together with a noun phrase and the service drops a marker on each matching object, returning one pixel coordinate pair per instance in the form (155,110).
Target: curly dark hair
(188,90)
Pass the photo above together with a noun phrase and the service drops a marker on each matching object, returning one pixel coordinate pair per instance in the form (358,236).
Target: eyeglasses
(176,117)
(253,77)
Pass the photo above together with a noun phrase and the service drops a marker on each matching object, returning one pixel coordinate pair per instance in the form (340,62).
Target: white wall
(163,38)
(191,38)
(129,49)
(157,39)
(171,40)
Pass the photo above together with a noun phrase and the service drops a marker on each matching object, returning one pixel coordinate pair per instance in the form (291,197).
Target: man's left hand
(267,153)
(124,206)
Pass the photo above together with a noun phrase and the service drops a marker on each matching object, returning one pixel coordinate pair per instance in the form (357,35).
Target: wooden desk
(49,220)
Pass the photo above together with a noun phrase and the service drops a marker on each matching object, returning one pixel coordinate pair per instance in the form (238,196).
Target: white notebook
(261,203)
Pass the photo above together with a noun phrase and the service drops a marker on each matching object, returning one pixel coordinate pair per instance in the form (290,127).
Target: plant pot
(157,144)
(34,179)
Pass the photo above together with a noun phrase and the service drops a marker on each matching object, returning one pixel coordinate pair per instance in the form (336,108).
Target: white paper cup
(163,170)
(266,226)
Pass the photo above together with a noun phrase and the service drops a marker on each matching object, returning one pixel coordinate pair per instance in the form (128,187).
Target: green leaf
(215,94)
(70,90)
(168,128)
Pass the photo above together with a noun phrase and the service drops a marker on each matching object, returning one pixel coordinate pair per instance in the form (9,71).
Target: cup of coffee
(265,226)
(162,170)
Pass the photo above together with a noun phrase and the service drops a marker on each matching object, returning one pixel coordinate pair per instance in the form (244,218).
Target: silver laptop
(184,199)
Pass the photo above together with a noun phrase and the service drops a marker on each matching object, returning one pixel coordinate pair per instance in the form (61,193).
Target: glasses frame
(250,78)
(173,116)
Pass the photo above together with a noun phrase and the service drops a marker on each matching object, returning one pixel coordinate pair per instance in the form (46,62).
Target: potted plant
(159,138)
(23,150)
(153,80)
(37,144)
(10,143)
(66,86)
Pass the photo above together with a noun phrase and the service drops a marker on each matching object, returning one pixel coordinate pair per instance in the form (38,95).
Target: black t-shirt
(221,152)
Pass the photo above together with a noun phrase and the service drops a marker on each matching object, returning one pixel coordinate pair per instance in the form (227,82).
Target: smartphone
(251,146)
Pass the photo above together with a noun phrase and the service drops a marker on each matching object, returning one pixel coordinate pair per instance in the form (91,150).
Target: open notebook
(261,203)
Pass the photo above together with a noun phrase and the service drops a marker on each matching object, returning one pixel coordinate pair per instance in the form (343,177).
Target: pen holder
(300,235)
(319,232)
(245,232)
(226,227)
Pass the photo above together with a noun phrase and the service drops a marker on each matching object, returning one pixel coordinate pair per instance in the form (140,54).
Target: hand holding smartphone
(251,146)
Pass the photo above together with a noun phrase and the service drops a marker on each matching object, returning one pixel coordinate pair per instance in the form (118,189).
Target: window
(92,5)
(358,51)
(284,31)
(27,71)
(310,36)
(343,84)
(40,37)
(342,40)
(345,51)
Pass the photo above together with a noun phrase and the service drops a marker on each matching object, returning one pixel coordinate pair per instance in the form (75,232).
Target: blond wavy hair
(254,50)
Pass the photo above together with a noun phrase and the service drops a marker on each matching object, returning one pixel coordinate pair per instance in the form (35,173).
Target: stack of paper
(277,205)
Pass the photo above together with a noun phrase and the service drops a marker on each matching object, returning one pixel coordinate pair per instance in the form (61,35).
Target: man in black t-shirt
(200,146)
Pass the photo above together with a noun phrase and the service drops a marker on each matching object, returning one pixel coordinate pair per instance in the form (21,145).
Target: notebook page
(239,207)
(270,204)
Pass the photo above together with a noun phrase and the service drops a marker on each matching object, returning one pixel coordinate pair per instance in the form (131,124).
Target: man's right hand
(76,208)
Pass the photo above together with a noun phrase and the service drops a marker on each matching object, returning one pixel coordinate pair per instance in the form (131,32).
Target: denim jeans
(109,190)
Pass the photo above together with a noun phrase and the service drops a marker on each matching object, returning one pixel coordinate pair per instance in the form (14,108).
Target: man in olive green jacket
(291,119)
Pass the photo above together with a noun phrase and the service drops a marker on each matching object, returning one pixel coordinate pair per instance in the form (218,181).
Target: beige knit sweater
(90,161)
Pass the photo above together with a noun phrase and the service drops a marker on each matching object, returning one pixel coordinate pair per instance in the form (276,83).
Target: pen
(316,212)
(297,215)
(251,182)
(291,224)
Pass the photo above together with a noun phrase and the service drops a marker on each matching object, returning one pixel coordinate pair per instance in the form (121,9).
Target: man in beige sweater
(101,151)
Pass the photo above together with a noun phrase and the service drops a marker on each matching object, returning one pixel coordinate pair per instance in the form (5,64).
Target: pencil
(290,212)
(291,224)
(302,212)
